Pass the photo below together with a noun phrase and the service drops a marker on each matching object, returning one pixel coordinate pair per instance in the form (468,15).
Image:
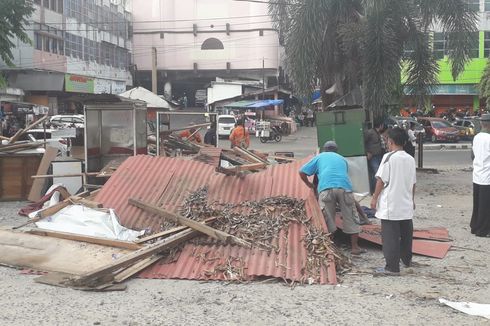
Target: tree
(348,43)
(13,19)
(484,86)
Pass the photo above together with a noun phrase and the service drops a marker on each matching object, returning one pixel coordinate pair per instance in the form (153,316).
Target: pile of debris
(13,144)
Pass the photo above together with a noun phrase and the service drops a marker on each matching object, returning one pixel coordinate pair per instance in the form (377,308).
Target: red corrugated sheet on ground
(209,155)
(432,242)
(166,182)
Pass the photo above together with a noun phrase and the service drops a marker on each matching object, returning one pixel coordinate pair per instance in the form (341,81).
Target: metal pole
(158,134)
(421,150)
(263,78)
(154,80)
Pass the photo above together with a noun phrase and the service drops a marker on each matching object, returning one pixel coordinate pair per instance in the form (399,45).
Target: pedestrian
(394,203)
(480,219)
(239,136)
(310,117)
(375,148)
(210,136)
(334,187)
(412,140)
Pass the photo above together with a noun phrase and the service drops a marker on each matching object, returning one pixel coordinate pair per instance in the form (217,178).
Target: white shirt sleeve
(384,170)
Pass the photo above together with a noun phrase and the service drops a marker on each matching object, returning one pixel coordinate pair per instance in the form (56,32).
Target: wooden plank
(103,274)
(16,136)
(247,167)
(35,123)
(252,156)
(46,176)
(169,232)
(38,184)
(49,211)
(203,228)
(19,147)
(50,254)
(136,268)
(240,152)
(161,234)
(85,238)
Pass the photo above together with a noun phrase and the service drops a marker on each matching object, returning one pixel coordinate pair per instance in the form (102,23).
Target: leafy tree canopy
(13,19)
(342,44)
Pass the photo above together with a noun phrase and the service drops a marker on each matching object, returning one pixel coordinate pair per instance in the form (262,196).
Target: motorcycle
(274,134)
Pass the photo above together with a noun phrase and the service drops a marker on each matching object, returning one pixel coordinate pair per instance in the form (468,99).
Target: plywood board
(54,255)
(38,184)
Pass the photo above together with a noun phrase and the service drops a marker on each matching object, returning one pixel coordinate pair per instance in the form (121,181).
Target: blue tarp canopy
(260,104)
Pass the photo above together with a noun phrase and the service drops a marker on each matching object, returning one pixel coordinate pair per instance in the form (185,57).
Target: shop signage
(79,84)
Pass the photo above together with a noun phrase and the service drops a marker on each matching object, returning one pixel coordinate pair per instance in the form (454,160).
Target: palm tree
(346,43)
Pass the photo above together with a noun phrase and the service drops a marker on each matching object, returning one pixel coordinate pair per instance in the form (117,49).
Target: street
(304,143)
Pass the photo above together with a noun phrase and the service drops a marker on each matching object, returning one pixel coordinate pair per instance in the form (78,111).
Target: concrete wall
(244,49)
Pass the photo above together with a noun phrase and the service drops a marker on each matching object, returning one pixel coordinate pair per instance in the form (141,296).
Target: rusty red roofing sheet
(209,155)
(166,182)
(432,242)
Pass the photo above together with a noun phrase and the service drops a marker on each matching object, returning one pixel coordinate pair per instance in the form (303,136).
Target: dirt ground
(411,299)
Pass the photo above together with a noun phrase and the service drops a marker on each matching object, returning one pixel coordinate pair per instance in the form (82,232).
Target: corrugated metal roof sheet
(209,155)
(166,182)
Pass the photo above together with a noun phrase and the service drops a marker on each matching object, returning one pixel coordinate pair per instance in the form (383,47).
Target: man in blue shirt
(334,187)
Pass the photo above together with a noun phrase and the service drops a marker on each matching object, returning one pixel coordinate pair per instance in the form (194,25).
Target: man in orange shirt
(191,135)
(240,136)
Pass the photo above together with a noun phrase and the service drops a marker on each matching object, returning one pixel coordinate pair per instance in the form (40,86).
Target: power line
(156,21)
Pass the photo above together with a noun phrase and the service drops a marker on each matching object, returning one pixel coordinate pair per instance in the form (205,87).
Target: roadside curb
(433,147)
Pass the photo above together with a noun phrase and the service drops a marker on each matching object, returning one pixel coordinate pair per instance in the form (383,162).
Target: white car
(68,121)
(225,124)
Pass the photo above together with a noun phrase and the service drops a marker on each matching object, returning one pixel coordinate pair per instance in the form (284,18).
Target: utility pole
(263,78)
(154,80)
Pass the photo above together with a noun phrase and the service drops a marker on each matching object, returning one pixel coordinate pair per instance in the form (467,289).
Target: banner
(79,84)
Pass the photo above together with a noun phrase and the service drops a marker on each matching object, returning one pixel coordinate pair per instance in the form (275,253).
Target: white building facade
(196,41)
(78,46)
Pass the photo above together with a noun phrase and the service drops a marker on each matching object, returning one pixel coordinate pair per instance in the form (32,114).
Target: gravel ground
(442,200)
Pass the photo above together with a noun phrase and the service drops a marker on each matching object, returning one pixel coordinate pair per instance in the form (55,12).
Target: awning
(254,104)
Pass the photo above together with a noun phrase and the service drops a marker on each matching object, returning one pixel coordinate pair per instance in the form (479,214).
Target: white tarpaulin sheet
(470,308)
(83,220)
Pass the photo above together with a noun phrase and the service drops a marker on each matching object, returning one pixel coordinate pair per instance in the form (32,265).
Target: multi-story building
(78,46)
(193,42)
(461,94)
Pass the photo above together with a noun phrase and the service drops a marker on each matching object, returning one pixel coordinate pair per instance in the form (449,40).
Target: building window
(38,40)
(60,6)
(487,45)
(439,45)
(54,46)
(212,44)
(473,5)
(441,49)
(487,5)
(46,43)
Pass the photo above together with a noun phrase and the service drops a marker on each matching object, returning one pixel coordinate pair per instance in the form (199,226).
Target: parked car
(438,129)
(225,124)
(40,134)
(469,125)
(403,122)
(67,121)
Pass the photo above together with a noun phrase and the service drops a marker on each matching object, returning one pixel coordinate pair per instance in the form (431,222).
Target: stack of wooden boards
(14,145)
(244,160)
(101,264)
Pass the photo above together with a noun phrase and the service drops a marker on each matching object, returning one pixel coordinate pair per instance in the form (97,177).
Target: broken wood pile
(13,144)
(173,145)
(243,160)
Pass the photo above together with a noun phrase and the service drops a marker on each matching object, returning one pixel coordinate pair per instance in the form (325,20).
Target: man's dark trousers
(397,243)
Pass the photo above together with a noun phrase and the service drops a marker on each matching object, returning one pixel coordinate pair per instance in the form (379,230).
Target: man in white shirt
(480,219)
(394,202)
